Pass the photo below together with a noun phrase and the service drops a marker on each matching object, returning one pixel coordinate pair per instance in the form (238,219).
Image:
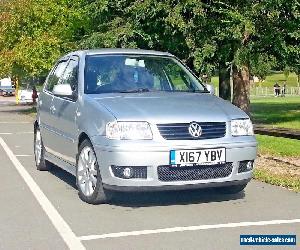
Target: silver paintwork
(63,121)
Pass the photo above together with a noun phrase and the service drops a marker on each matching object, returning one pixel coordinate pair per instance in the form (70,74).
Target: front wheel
(231,189)
(88,178)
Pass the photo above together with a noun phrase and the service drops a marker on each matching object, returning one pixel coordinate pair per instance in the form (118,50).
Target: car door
(46,118)
(65,111)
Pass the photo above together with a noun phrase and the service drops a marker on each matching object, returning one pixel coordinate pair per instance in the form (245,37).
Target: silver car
(139,120)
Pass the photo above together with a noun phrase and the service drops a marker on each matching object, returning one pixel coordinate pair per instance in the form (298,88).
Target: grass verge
(282,180)
(279,162)
(278,146)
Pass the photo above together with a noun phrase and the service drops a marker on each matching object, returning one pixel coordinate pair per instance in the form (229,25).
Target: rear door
(65,115)
(46,118)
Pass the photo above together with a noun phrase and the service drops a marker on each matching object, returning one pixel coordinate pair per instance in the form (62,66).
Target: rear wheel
(39,152)
(88,178)
(231,189)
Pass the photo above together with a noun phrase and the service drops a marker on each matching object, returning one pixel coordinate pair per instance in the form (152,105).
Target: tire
(39,152)
(88,178)
(231,189)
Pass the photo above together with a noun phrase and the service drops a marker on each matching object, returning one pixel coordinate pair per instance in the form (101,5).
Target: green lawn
(269,81)
(215,81)
(278,112)
(280,78)
(278,146)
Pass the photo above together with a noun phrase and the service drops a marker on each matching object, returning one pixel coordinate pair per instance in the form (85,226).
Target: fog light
(245,166)
(250,165)
(128,172)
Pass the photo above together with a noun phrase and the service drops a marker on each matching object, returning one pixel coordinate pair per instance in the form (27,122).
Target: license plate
(200,156)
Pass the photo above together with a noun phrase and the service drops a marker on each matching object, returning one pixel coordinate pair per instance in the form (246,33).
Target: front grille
(196,172)
(180,131)
(138,172)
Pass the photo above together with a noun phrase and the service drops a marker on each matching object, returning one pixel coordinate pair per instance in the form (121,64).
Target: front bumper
(174,187)
(153,154)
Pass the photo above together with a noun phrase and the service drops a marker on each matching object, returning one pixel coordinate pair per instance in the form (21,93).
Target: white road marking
(15,122)
(59,223)
(17,133)
(187,228)
(23,155)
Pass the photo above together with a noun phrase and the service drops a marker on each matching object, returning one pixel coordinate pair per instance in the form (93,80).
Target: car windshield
(137,73)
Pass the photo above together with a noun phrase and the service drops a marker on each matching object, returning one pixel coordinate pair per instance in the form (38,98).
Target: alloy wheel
(38,147)
(87,171)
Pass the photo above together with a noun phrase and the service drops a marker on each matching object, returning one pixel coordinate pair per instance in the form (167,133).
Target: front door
(46,118)
(65,115)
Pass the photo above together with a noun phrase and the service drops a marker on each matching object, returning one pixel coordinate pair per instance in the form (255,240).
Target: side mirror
(210,88)
(63,90)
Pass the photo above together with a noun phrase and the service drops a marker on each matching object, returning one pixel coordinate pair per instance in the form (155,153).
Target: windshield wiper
(194,91)
(201,91)
(139,90)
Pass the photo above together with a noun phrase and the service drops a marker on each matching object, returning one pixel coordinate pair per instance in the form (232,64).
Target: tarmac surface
(41,210)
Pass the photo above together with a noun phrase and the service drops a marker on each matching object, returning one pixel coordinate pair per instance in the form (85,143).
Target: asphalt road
(41,210)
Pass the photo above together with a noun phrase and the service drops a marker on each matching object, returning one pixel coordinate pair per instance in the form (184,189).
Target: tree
(250,37)
(242,37)
(286,72)
(34,33)
(260,35)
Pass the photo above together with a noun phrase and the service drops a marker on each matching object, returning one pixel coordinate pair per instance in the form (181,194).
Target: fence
(269,91)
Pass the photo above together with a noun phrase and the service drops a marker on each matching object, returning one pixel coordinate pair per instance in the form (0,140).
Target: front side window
(70,75)
(135,73)
(55,75)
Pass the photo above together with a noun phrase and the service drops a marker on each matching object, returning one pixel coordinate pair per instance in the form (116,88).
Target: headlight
(128,131)
(241,127)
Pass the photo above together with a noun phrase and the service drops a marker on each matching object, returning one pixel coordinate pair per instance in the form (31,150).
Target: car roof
(117,51)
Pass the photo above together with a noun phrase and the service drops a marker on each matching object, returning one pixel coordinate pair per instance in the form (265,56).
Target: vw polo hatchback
(138,120)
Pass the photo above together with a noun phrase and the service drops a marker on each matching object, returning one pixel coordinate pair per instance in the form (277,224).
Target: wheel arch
(83,136)
(35,125)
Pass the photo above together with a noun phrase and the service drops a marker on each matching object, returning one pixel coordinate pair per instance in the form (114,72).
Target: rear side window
(55,75)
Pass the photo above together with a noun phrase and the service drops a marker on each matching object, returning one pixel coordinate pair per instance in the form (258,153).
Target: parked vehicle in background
(7,90)
(6,87)
(25,96)
(138,120)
